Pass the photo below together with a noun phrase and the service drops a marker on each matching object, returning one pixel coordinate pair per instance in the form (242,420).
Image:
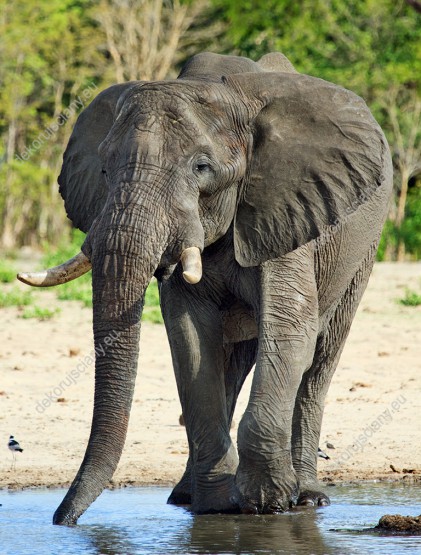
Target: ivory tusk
(72,269)
(192,265)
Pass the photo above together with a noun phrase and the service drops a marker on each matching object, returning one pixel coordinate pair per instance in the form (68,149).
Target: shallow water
(137,521)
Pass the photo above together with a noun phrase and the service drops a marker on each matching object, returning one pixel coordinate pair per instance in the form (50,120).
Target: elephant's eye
(202,167)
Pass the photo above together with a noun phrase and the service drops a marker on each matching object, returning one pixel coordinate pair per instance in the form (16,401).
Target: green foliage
(51,51)
(388,241)
(364,45)
(38,312)
(152,310)
(412,298)
(409,232)
(15,297)
(411,226)
(7,271)
(48,53)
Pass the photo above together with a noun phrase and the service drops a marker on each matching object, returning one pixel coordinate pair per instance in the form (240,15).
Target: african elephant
(256,195)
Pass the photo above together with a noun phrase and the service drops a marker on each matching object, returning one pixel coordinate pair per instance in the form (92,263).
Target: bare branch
(143,36)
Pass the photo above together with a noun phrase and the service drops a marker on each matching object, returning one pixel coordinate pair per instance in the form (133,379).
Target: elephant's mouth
(80,264)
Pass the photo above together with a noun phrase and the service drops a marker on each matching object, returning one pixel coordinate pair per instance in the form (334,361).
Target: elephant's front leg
(265,478)
(240,357)
(194,328)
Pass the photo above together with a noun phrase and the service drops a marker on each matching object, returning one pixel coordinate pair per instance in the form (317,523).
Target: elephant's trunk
(117,311)
(125,253)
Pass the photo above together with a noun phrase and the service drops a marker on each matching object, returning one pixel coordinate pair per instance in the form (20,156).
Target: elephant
(256,196)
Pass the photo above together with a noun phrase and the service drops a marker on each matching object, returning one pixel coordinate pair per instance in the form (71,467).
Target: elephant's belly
(239,324)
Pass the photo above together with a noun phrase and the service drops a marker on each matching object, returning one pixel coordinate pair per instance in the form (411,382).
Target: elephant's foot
(312,496)
(181,494)
(218,496)
(266,491)
(213,487)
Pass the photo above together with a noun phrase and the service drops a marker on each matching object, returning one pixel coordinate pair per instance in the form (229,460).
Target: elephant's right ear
(82,183)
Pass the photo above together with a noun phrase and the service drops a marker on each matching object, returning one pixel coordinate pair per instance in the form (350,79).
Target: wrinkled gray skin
(282,180)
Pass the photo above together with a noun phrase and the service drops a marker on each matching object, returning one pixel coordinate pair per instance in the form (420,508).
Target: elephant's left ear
(317,155)
(82,183)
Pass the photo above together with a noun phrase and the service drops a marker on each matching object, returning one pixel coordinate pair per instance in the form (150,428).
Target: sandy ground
(372,414)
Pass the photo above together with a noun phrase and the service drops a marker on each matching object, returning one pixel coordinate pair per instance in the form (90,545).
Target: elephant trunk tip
(64,518)
(191,262)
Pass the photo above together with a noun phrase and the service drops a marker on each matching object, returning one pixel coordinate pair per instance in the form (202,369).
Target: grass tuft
(76,291)
(15,297)
(412,298)
(7,271)
(39,313)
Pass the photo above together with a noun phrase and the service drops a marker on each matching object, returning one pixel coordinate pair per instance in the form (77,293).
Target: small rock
(393,468)
(400,524)
(74,351)
(329,445)
(352,388)
(61,400)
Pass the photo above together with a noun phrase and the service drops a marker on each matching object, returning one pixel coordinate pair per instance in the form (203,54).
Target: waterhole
(137,521)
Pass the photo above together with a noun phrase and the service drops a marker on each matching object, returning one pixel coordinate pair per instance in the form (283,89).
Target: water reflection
(213,534)
(104,540)
(290,533)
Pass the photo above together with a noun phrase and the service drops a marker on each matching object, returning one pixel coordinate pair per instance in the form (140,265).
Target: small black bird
(322,454)
(14,446)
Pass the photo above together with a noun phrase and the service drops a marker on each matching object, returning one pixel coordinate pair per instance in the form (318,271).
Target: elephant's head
(155,172)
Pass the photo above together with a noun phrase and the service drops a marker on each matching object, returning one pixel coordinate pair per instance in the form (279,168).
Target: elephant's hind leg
(309,405)
(239,360)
